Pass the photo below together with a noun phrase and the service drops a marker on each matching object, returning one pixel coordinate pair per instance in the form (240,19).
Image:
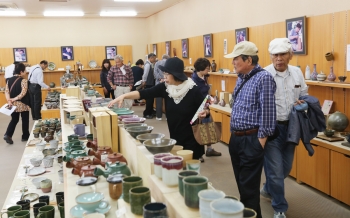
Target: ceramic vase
(321,76)
(213,66)
(331,76)
(314,74)
(307,72)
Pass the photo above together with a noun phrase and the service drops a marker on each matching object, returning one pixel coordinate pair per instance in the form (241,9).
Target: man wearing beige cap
(253,120)
(278,154)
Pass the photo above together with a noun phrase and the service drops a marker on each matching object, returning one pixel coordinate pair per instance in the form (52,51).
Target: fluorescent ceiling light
(118,13)
(63,13)
(12,13)
(137,0)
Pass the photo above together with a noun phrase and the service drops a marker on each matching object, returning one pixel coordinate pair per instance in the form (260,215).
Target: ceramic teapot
(116,168)
(100,151)
(78,162)
(111,158)
(92,144)
(74,154)
(87,171)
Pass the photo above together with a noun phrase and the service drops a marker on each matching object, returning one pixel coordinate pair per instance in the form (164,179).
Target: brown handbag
(207,133)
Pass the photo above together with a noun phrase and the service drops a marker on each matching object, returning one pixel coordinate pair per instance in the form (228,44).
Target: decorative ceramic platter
(36,171)
(51,66)
(77,211)
(92,64)
(31,196)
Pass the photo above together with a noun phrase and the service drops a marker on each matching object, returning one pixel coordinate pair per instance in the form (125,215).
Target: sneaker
(212,152)
(201,159)
(8,140)
(265,194)
(279,215)
(158,118)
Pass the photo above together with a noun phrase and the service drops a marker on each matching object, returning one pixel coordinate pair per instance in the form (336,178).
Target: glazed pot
(115,186)
(87,171)
(171,166)
(78,163)
(192,186)
(46,185)
(100,151)
(338,121)
(116,168)
(74,154)
(157,160)
(222,103)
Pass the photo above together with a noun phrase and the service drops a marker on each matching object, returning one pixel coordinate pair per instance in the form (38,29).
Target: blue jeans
(278,162)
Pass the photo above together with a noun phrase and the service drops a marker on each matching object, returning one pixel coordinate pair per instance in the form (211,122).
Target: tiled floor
(304,201)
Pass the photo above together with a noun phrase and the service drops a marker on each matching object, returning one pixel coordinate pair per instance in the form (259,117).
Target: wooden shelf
(344,85)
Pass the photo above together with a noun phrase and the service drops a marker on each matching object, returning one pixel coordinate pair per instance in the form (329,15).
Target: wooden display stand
(114,130)
(73,91)
(102,128)
(159,188)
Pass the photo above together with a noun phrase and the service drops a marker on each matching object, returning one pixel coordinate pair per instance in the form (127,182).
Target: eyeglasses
(166,74)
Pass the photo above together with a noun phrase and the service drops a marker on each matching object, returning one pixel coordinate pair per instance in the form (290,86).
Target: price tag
(104,157)
(120,212)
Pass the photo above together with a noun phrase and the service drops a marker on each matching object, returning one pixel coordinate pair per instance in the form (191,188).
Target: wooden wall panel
(339,43)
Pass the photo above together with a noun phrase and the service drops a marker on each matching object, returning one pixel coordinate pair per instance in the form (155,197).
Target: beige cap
(280,45)
(243,48)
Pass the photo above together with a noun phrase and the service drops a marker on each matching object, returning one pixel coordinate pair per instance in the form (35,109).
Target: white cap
(280,45)
(243,48)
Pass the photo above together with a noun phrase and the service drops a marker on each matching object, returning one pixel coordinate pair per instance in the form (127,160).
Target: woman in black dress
(182,99)
(107,89)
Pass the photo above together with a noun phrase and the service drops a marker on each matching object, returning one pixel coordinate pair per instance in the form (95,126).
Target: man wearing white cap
(253,120)
(278,154)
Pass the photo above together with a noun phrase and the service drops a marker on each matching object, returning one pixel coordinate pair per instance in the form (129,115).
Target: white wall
(51,32)
(198,17)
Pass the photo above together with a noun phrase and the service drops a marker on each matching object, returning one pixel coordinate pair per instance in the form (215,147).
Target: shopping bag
(207,133)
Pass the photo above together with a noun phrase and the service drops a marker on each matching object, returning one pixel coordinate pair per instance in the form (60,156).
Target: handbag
(207,133)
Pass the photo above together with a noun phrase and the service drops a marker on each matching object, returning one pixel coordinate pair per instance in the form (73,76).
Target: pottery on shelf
(314,74)
(342,78)
(321,76)
(52,85)
(222,103)
(116,168)
(216,98)
(213,66)
(159,145)
(329,132)
(307,72)
(331,76)
(338,121)
(115,186)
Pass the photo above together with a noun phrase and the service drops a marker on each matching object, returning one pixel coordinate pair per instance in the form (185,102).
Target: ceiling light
(137,0)
(12,13)
(118,13)
(63,13)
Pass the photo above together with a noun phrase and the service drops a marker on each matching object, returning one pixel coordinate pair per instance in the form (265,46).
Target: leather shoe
(148,116)
(212,152)
(8,140)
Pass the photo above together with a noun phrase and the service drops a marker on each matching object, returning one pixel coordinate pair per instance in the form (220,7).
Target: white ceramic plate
(36,171)
(92,64)
(51,66)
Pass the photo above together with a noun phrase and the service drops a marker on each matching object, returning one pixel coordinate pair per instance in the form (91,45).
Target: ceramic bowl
(35,161)
(176,148)
(40,146)
(121,117)
(146,136)
(329,132)
(134,125)
(205,198)
(138,130)
(159,145)
(48,161)
(49,151)
(134,120)
(90,200)
(342,78)
(36,181)
(347,137)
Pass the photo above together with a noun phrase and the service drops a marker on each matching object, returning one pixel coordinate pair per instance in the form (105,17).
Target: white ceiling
(91,8)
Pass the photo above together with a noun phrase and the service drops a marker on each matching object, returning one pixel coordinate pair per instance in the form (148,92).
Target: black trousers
(247,157)
(149,104)
(13,123)
(35,100)
(109,94)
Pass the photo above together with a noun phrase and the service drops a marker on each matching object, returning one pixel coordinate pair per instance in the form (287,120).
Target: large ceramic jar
(338,121)
(171,166)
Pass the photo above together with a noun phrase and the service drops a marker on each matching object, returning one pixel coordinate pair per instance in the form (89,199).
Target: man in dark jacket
(149,81)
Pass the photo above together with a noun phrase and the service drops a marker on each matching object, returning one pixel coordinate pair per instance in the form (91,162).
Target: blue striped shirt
(254,106)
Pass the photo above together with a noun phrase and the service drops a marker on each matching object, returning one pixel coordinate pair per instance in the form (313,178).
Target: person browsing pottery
(121,79)
(107,89)
(253,119)
(200,77)
(16,94)
(159,78)
(148,82)
(182,99)
(137,71)
(279,154)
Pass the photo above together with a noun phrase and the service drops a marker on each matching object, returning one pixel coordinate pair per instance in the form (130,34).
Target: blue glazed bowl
(90,201)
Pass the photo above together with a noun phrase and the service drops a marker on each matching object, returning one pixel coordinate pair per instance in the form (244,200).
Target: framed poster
(20,54)
(184,46)
(111,52)
(67,53)
(241,35)
(167,48)
(155,49)
(208,45)
(296,33)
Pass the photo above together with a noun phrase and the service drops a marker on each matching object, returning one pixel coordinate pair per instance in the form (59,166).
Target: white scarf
(178,92)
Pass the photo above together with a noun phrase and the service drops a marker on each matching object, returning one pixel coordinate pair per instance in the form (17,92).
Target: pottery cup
(90,137)
(155,209)
(115,186)
(22,214)
(194,165)
(249,213)
(59,197)
(79,129)
(37,206)
(128,183)
(12,210)
(229,208)
(43,134)
(47,211)
(48,161)
(46,186)
(205,198)
(158,163)
(45,199)
(181,176)
(25,204)
(36,135)
(40,146)
(91,201)
(36,162)
(329,56)
(139,196)
(54,143)
(176,148)
(61,209)
(171,166)
(192,186)
(186,155)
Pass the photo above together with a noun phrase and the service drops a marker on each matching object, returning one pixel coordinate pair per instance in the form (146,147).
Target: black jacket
(103,78)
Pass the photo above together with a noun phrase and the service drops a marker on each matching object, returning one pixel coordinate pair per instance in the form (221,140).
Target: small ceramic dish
(51,66)
(92,64)
(36,181)
(31,196)
(36,162)
(36,171)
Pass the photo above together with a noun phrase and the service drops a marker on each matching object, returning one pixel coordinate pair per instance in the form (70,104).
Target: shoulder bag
(207,133)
